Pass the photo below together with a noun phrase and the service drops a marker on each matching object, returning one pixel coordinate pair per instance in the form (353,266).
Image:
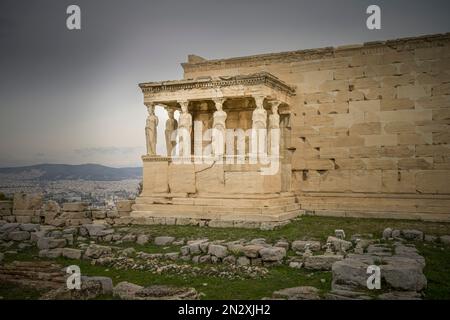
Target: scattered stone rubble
(129,291)
(31,208)
(103,244)
(27,208)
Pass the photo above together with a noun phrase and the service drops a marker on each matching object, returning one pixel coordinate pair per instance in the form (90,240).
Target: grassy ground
(437,258)
(308,226)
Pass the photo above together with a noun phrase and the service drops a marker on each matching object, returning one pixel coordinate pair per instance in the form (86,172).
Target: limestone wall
(31,208)
(370,125)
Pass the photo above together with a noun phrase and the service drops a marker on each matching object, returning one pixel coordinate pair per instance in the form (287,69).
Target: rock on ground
(243,261)
(19,235)
(90,289)
(350,273)
(322,262)
(142,239)
(387,233)
(398,272)
(71,253)
(217,250)
(415,235)
(252,251)
(30,227)
(272,254)
(339,244)
(445,239)
(297,293)
(106,283)
(299,245)
(162,292)
(126,290)
(95,251)
(51,253)
(50,243)
(164,240)
(403,274)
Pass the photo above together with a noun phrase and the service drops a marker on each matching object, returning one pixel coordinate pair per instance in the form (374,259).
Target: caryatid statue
(219,128)
(259,127)
(273,132)
(185,130)
(151,130)
(171,127)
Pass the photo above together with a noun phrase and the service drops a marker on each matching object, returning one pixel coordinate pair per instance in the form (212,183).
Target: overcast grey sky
(72,96)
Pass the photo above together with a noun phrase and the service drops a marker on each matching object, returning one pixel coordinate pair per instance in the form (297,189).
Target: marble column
(218,129)
(259,129)
(184,130)
(151,132)
(170,131)
(273,129)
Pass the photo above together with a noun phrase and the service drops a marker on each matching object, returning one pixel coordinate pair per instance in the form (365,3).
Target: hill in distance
(70,172)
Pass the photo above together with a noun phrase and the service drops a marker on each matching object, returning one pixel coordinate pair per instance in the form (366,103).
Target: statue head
(184,106)
(170,112)
(274,104)
(274,108)
(219,103)
(150,109)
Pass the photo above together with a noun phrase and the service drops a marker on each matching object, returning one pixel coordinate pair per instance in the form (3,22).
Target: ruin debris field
(178,261)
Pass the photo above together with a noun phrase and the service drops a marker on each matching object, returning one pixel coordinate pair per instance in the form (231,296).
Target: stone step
(213,212)
(139,217)
(198,209)
(202,201)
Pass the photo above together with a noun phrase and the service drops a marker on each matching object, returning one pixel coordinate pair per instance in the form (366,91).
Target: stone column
(171,127)
(273,129)
(218,129)
(259,129)
(185,130)
(151,132)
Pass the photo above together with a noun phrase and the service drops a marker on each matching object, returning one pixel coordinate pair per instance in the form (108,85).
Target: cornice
(401,44)
(261,78)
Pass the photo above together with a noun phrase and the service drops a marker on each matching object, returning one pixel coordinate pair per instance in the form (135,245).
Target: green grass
(437,270)
(279,277)
(437,258)
(306,226)
(13,292)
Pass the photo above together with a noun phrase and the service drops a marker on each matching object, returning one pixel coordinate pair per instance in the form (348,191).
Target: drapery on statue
(184,130)
(150,131)
(274,124)
(259,128)
(171,126)
(219,126)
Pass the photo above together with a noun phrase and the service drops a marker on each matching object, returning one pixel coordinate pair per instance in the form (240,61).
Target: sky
(72,96)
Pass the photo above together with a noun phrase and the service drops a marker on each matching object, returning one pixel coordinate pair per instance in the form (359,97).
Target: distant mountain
(70,172)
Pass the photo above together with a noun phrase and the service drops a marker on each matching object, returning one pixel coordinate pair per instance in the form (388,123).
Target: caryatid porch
(204,178)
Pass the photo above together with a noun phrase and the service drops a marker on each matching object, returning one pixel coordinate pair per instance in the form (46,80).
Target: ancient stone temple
(363,130)
(210,172)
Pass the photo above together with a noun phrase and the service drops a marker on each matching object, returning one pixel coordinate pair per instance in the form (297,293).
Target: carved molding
(262,78)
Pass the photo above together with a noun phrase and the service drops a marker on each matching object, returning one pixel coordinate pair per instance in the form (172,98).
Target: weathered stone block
(156,177)
(396,104)
(182,178)
(399,127)
(368,128)
(365,180)
(394,181)
(75,206)
(433,181)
